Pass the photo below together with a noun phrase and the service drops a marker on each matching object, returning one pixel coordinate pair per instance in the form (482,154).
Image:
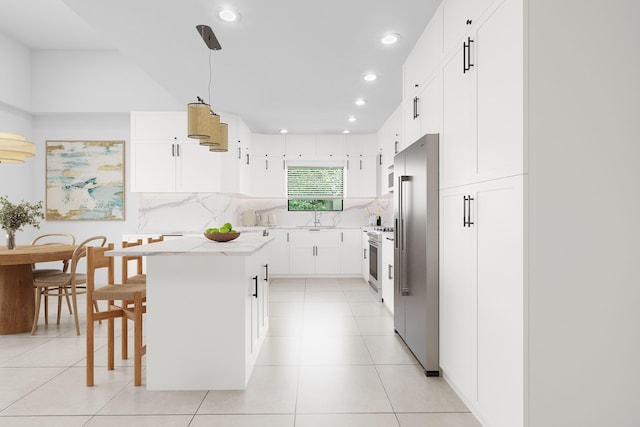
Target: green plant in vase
(13,217)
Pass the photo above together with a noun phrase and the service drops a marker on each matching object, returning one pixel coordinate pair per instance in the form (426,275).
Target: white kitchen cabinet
(483,105)
(174,166)
(315,252)
(256,305)
(360,177)
(279,248)
(350,249)
(364,256)
(387,273)
(158,124)
(425,56)
(458,16)
(362,145)
(331,146)
(300,146)
(268,175)
(422,109)
(481,296)
(389,137)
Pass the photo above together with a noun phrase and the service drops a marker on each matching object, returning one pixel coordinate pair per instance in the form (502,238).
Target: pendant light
(203,123)
(198,125)
(14,148)
(224,139)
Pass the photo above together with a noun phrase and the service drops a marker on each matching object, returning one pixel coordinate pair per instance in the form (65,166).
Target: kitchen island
(207,311)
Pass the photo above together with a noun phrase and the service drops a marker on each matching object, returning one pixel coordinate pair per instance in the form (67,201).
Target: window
(314,188)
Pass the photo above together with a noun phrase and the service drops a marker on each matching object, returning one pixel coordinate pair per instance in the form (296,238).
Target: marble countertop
(198,245)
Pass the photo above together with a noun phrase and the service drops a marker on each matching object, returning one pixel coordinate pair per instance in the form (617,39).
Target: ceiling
(294,64)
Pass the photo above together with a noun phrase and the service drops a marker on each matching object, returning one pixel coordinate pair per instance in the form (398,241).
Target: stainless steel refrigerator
(416,250)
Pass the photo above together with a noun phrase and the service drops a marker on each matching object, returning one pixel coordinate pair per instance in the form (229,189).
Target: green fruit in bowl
(224,229)
(233,231)
(211,230)
(228,226)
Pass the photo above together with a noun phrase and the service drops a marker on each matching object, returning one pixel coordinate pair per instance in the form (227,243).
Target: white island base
(207,312)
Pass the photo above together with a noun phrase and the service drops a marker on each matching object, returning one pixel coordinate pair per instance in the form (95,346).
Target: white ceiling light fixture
(228,15)
(283,131)
(370,77)
(14,148)
(389,38)
(360,101)
(346,131)
(351,119)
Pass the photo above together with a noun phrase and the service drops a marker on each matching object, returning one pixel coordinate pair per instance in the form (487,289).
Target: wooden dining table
(17,295)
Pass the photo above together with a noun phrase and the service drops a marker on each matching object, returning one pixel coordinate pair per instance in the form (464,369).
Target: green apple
(228,225)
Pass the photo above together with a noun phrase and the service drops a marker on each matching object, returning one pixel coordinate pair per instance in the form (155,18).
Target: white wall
(94,81)
(584,204)
(15,74)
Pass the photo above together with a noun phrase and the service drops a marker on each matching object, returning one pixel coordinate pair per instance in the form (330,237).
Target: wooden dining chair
(132,296)
(139,277)
(52,239)
(63,283)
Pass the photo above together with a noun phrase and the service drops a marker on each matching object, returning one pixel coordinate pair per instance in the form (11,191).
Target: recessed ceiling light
(284,131)
(361,101)
(351,119)
(370,77)
(228,15)
(390,38)
(346,131)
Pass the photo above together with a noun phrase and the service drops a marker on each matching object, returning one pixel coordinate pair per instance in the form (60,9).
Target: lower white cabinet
(279,248)
(386,275)
(481,296)
(364,256)
(350,248)
(314,252)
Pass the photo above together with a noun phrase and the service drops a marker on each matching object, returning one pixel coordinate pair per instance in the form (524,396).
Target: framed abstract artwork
(85,180)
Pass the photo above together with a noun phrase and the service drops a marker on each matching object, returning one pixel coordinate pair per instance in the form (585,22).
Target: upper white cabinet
(298,146)
(267,166)
(331,146)
(458,17)
(421,87)
(164,160)
(482,126)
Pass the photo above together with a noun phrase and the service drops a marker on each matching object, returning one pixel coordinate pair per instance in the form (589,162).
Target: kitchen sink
(315,226)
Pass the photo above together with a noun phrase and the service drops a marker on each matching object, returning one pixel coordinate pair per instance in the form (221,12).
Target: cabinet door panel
(350,252)
(279,252)
(456,17)
(430,106)
(499,207)
(198,168)
(457,291)
(500,92)
(154,167)
(275,177)
(457,141)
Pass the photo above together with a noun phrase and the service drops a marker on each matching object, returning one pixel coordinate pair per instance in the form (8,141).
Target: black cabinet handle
(173,150)
(466,55)
(239,153)
(466,211)
(380,159)
(255,279)
(266,272)
(365,254)
(360,164)
(266,164)
(177,150)
(395,148)
(390,267)
(415,107)
(247,158)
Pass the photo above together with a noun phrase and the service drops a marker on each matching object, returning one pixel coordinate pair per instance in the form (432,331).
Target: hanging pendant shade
(214,131)
(14,148)
(198,126)
(224,139)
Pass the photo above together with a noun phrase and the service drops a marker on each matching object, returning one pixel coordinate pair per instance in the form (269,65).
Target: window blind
(304,182)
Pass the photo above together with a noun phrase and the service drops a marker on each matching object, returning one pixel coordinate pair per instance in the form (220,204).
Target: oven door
(375,267)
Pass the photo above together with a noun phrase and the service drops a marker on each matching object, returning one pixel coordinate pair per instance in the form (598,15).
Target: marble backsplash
(193,212)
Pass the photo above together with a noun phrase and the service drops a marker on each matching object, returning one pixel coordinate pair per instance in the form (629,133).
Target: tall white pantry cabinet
(539,293)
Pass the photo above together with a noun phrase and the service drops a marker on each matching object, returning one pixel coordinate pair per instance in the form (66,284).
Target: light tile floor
(331,358)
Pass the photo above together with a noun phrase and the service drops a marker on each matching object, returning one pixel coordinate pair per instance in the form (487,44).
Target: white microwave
(390,178)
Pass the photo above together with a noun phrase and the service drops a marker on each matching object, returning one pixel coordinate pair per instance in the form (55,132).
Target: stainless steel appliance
(375,259)
(416,250)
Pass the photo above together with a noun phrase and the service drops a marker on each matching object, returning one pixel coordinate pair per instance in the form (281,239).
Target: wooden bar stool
(132,294)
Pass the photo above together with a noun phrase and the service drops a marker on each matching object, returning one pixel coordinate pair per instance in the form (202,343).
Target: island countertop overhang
(246,244)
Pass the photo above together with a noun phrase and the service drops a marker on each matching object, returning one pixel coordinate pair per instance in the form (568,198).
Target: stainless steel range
(375,258)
